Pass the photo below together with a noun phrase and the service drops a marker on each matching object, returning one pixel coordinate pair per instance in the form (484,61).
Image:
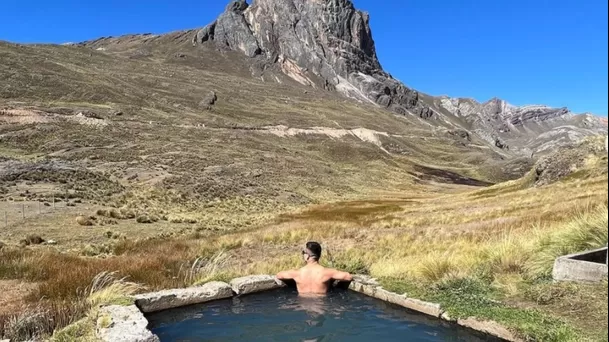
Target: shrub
(84,221)
(33,240)
(146,219)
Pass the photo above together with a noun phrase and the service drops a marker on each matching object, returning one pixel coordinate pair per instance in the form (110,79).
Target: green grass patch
(470,297)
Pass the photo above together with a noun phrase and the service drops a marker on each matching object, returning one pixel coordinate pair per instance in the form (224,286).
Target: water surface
(284,316)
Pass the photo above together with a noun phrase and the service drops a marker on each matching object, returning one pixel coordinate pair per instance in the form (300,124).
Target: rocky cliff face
(320,43)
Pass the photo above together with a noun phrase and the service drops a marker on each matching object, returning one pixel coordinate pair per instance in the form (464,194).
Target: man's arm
(287,275)
(340,275)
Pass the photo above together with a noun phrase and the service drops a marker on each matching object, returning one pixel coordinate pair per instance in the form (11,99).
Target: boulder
(118,323)
(168,299)
(255,283)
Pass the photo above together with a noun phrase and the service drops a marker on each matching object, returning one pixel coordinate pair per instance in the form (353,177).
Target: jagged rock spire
(322,43)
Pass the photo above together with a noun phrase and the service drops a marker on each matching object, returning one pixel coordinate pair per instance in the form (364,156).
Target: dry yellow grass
(509,238)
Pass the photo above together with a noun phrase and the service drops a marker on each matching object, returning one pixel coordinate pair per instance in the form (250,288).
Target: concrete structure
(128,323)
(169,299)
(590,266)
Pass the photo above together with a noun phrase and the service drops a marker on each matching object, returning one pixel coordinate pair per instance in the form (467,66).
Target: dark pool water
(284,316)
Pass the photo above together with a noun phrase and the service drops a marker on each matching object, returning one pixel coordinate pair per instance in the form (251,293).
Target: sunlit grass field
(498,251)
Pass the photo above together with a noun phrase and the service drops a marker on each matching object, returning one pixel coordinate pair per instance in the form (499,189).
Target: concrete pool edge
(372,288)
(128,323)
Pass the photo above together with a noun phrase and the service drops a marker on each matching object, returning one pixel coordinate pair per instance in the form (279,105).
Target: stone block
(168,299)
(255,283)
(118,323)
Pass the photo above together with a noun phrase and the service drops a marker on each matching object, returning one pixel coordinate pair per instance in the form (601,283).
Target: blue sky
(524,51)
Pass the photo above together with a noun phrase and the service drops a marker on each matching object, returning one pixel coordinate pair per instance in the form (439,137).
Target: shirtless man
(313,278)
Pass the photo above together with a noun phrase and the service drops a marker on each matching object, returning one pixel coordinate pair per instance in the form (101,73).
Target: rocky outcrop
(585,159)
(209,100)
(168,299)
(524,130)
(255,283)
(118,323)
(328,43)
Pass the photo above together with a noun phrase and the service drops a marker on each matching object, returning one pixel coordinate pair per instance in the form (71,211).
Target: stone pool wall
(128,323)
(589,266)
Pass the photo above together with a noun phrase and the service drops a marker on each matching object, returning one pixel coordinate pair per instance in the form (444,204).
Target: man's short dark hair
(315,249)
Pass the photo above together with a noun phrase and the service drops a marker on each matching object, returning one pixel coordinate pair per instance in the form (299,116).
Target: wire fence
(14,212)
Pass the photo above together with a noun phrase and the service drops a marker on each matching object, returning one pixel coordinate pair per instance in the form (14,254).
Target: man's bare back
(313,278)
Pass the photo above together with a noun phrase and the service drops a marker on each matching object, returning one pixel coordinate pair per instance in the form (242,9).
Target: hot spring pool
(282,315)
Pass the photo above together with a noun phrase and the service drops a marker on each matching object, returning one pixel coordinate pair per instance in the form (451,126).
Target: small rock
(209,100)
(119,113)
(51,242)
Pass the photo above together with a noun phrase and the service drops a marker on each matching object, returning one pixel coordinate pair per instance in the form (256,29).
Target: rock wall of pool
(262,308)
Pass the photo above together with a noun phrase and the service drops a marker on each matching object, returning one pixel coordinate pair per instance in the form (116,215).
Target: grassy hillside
(104,130)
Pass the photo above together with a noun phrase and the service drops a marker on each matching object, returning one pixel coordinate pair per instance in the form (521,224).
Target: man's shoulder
(329,271)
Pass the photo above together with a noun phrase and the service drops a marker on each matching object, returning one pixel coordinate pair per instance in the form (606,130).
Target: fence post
(39,208)
(53,201)
(23,211)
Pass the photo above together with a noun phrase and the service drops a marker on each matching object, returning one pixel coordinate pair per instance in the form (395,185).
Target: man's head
(312,251)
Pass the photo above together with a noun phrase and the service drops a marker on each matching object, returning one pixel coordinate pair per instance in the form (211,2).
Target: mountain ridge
(332,40)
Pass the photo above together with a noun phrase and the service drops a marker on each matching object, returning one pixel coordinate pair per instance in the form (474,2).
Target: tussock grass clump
(116,214)
(435,267)
(72,320)
(41,320)
(32,239)
(588,230)
(509,255)
(204,270)
(147,219)
(108,289)
(84,221)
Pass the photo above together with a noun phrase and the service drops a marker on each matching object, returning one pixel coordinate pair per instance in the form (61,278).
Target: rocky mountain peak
(319,43)
(328,44)
(237,6)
